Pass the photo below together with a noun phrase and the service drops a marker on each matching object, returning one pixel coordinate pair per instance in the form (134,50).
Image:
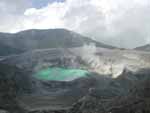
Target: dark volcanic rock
(11,86)
(3,111)
(136,101)
(129,93)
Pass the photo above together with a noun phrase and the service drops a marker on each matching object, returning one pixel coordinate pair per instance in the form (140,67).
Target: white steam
(112,62)
(100,63)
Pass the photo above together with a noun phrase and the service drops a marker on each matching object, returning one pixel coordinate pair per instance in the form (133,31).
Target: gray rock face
(3,111)
(135,101)
(17,86)
(99,60)
(42,39)
(99,94)
(20,92)
(13,81)
(143,48)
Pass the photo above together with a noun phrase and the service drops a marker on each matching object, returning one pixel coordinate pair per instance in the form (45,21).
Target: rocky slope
(137,100)
(99,60)
(22,93)
(42,39)
(116,82)
(13,81)
(143,48)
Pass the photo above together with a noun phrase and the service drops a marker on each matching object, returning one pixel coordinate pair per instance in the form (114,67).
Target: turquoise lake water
(60,74)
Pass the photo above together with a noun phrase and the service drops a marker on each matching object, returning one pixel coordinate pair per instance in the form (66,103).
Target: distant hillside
(144,48)
(6,50)
(42,39)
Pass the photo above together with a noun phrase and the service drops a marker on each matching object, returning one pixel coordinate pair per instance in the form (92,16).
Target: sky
(43,3)
(123,23)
